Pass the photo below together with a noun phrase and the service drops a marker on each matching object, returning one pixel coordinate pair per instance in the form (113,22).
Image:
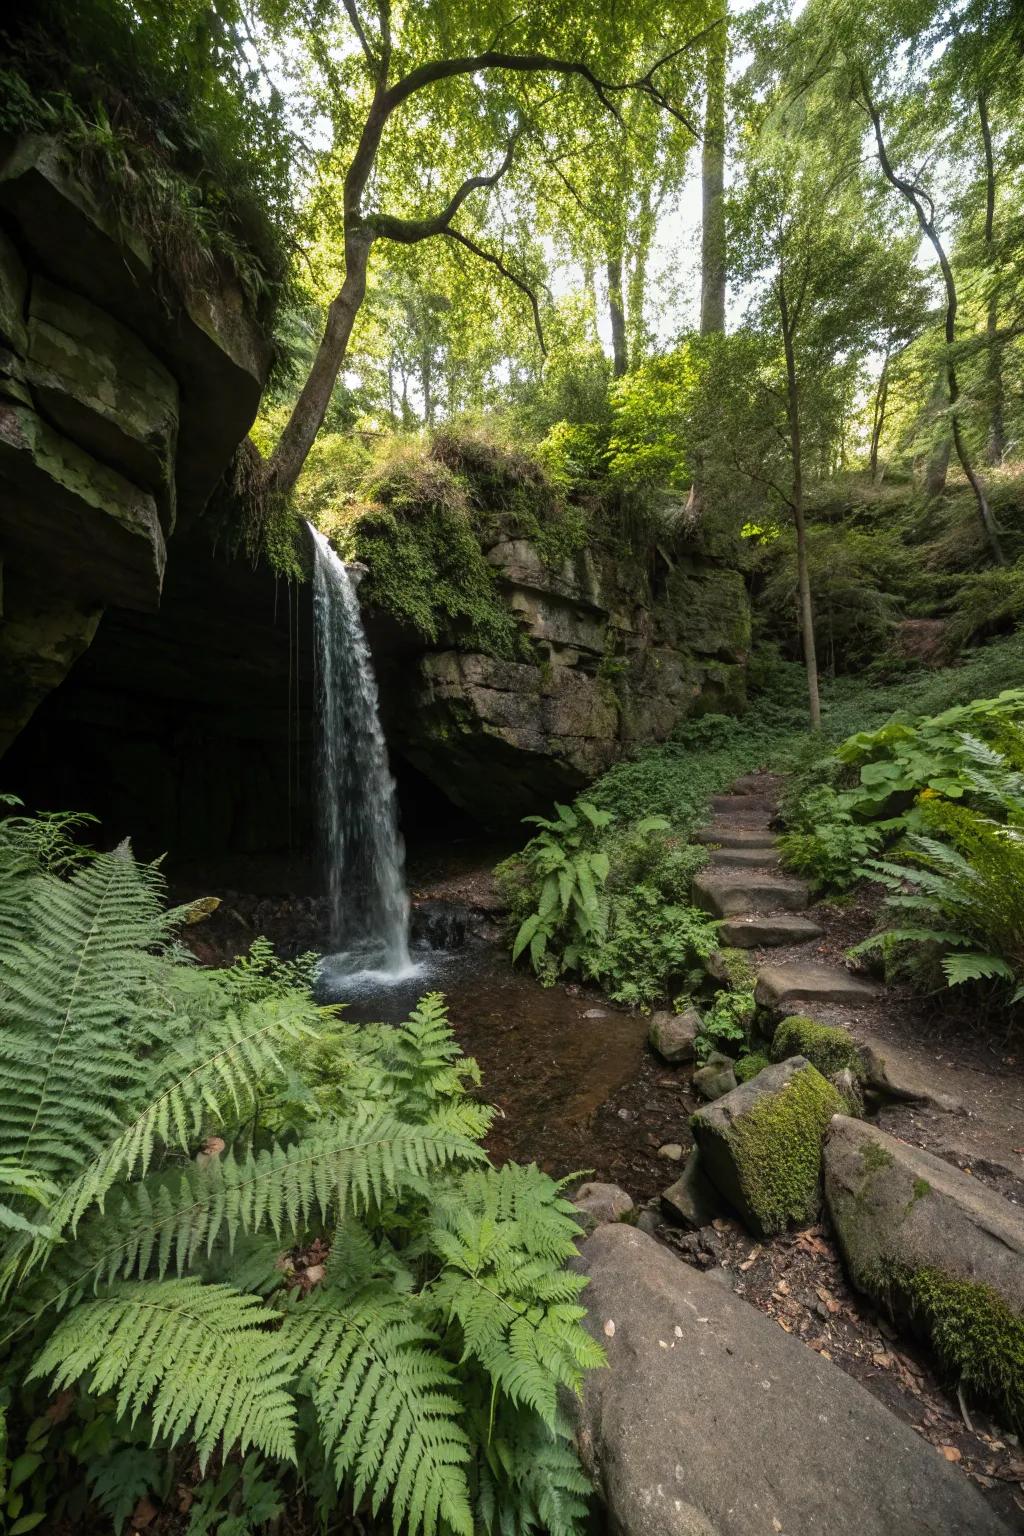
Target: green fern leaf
(385,1402)
(200,1358)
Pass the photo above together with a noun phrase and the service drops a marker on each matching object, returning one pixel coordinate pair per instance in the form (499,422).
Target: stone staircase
(761,907)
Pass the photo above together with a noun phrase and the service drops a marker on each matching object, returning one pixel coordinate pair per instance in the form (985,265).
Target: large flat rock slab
(752,930)
(805,982)
(726,892)
(712,1421)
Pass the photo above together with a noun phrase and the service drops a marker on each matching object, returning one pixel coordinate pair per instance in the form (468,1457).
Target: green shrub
(726,1024)
(647,950)
(155,1162)
(825,844)
(825,1046)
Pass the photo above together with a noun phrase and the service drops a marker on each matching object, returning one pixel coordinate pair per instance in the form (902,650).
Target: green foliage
(147,1196)
(825,844)
(609,903)
(726,1024)
(827,1047)
(963,892)
(749,1066)
(160,115)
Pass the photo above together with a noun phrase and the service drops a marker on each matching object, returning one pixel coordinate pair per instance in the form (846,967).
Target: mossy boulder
(939,1250)
(761,1144)
(825,1046)
(749,1066)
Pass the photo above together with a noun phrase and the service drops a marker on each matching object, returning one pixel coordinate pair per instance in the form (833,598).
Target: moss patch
(749,1066)
(768,1161)
(827,1048)
(976,1335)
(733,968)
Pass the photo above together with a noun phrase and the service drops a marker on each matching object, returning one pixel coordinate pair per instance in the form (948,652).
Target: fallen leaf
(951,1453)
(609,1328)
(754,1255)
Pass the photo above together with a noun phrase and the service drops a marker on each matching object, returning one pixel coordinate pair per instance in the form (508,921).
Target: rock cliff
(121,402)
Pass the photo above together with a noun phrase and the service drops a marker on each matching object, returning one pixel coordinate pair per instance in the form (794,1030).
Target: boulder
(827,1047)
(711,1421)
(692,1200)
(761,1144)
(938,1247)
(715,1078)
(894,1074)
(598,1203)
(673,1036)
(850,1089)
(732,968)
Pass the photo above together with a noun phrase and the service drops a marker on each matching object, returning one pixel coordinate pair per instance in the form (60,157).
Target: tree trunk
(937,464)
(881,400)
(803,576)
(285,463)
(995,448)
(712,237)
(620,355)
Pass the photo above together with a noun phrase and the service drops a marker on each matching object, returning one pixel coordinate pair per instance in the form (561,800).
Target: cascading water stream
(358,811)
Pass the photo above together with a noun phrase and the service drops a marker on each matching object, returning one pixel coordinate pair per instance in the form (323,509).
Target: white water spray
(358,812)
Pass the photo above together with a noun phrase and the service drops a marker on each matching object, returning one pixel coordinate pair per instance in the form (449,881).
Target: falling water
(364,853)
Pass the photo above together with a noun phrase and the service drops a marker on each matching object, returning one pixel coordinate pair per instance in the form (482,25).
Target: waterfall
(358,812)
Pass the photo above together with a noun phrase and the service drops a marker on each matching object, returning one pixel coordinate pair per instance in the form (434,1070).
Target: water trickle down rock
(358,810)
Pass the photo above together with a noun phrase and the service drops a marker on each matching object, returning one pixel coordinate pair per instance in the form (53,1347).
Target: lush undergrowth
(639,937)
(173,1138)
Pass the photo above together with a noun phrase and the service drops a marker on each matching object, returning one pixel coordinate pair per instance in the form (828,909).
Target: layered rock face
(120,405)
(618,657)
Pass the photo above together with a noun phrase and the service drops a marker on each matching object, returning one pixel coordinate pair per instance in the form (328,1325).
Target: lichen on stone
(826,1046)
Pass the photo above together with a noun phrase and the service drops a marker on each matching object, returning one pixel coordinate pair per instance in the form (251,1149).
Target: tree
(712,238)
(431,63)
(828,274)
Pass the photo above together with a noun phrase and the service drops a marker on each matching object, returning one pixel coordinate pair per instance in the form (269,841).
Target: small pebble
(672,1150)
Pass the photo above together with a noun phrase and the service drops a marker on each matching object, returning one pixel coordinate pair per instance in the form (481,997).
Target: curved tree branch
(496,261)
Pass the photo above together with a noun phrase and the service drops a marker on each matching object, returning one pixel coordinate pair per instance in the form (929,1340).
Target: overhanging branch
(494,260)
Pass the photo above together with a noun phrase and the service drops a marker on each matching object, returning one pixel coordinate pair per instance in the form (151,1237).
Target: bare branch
(360,32)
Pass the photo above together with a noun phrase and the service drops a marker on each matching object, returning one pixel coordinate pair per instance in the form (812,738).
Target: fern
(140,1259)
(386,1403)
(198,1357)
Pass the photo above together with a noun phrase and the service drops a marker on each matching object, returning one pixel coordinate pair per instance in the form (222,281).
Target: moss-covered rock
(937,1249)
(749,1066)
(826,1046)
(761,1144)
(732,968)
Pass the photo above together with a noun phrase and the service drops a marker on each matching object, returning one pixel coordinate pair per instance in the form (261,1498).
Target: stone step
(726,892)
(743,806)
(766,785)
(800,981)
(733,834)
(751,930)
(745,858)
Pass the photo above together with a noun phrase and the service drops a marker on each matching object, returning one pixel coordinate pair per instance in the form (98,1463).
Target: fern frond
(385,1402)
(528,1478)
(193,1082)
(70,1007)
(168,1221)
(199,1357)
(426,1062)
(975,967)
